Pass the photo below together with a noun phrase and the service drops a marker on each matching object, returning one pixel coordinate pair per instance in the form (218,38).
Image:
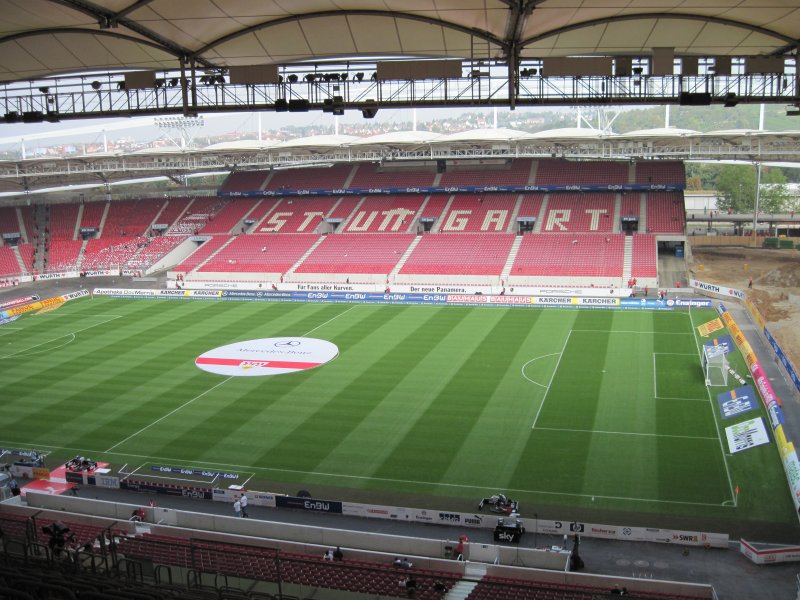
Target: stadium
(488,363)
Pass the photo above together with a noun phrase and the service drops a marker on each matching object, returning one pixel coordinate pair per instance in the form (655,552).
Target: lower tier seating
(363,253)
(580,255)
(466,254)
(264,253)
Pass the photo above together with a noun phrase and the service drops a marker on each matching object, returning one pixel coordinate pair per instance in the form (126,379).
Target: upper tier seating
(665,212)
(110,252)
(568,172)
(385,214)
(469,213)
(630,206)
(658,171)
(645,256)
(376,253)
(232,212)
(156,248)
(173,209)
(297,215)
(579,255)
(244,181)
(196,216)
(63,255)
(589,212)
(372,176)
(268,253)
(515,174)
(202,253)
(344,207)
(93,214)
(9,265)
(531,205)
(130,217)
(62,221)
(8,220)
(310,179)
(468,254)
(433,209)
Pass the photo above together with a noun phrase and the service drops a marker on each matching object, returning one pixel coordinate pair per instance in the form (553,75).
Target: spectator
(237,507)
(243,502)
(337,554)
(328,555)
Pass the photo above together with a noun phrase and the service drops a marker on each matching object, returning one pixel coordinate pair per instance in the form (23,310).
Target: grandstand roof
(39,38)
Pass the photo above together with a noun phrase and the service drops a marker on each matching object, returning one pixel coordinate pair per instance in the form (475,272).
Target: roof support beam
(106,18)
(126,11)
(519,11)
(478,33)
(659,15)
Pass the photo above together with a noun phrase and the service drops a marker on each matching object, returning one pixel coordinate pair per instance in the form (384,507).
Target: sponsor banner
(736,402)
(596,301)
(209,474)
(327,506)
(792,467)
(204,293)
(6,321)
(725,342)
(770,555)
(175,292)
(755,313)
(746,435)
(105,481)
(124,292)
(456,189)
(101,273)
(47,276)
(75,295)
(635,534)
(787,364)
(19,301)
(711,326)
(717,290)
(775,415)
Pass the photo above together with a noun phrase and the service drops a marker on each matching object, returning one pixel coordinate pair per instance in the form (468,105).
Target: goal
(715,365)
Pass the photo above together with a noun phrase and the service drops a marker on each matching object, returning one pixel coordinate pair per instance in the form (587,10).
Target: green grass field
(586,412)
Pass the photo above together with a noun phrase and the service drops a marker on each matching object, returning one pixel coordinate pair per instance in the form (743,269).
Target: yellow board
(707,328)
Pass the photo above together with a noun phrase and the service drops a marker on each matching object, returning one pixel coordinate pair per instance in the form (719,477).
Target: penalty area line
(552,377)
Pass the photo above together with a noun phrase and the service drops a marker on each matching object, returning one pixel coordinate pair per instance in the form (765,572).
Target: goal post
(715,366)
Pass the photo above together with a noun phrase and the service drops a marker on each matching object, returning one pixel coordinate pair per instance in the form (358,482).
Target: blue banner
(456,189)
(194,472)
(726,342)
(784,360)
(737,402)
(328,506)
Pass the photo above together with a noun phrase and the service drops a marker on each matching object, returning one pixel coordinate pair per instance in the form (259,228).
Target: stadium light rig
(185,127)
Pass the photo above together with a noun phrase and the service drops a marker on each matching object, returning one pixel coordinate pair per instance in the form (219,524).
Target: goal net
(715,365)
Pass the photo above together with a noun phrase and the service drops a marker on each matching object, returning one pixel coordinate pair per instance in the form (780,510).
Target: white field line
(481,486)
(686,399)
(655,377)
(714,414)
(627,331)
(522,369)
(170,413)
(227,379)
(658,435)
(72,333)
(552,377)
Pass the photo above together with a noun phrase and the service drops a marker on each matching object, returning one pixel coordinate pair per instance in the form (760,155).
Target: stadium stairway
(343,225)
(77,228)
(81,254)
(473,572)
(643,212)
(512,221)
(627,259)
(512,256)
(438,225)
(537,228)
(415,242)
(213,254)
(617,226)
(18,256)
(305,256)
(103,219)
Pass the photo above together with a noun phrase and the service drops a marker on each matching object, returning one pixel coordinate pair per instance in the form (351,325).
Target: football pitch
(600,411)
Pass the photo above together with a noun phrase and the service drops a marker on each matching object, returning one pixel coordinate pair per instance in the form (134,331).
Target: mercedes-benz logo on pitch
(267,356)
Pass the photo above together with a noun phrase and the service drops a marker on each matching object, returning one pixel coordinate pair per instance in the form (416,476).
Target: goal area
(715,365)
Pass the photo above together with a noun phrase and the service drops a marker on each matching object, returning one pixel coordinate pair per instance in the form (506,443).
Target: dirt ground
(776,285)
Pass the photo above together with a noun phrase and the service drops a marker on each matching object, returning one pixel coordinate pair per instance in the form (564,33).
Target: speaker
(300,105)
(281,105)
(689,99)
(441,166)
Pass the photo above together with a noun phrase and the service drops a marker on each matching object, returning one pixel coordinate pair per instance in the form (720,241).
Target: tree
(775,197)
(736,188)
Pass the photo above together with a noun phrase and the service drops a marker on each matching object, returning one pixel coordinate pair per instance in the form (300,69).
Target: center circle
(267,356)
